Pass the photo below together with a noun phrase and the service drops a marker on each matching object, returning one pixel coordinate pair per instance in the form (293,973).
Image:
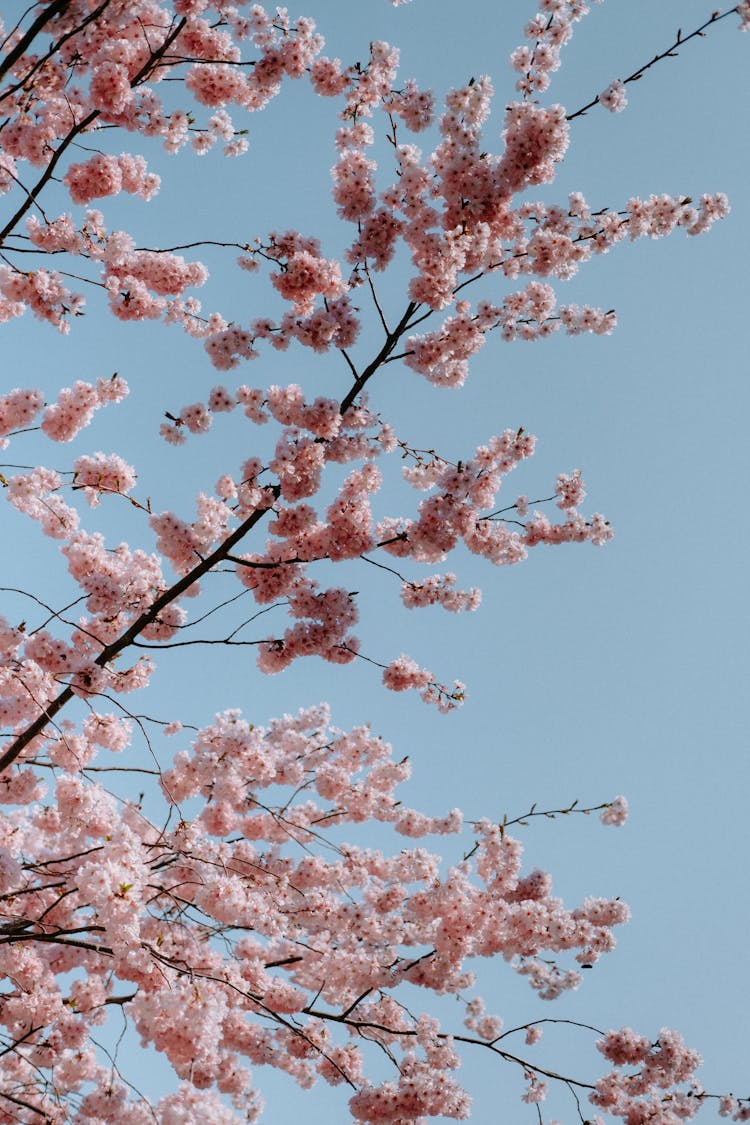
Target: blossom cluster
(549,31)
(121,588)
(314,434)
(105,74)
(61,420)
(665,1065)
(308,932)
(227,915)
(613,98)
(455,211)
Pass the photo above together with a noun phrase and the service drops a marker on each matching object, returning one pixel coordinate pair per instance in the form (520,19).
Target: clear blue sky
(591,672)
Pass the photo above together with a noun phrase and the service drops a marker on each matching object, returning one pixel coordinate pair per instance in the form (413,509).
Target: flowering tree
(237,914)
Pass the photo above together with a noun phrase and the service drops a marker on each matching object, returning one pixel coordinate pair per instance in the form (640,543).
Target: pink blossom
(305,277)
(102,473)
(44,293)
(613,98)
(18,408)
(75,407)
(242,911)
(110,88)
(570,489)
(536,1090)
(616,812)
(327,77)
(403,673)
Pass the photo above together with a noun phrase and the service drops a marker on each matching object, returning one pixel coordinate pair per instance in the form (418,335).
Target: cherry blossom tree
(240,912)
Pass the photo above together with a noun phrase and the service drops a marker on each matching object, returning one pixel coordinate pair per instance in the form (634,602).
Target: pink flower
(102,473)
(616,813)
(403,673)
(305,277)
(613,98)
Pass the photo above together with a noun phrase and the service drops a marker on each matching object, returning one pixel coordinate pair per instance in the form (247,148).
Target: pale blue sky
(590,672)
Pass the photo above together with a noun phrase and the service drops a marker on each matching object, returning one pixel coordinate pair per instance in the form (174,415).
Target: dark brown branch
(23,44)
(47,174)
(390,343)
(197,641)
(368,1025)
(670,53)
(55,46)
(147,618)
(81,127)
(25,1105)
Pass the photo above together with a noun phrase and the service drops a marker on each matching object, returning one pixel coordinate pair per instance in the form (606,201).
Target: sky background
(590,672)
